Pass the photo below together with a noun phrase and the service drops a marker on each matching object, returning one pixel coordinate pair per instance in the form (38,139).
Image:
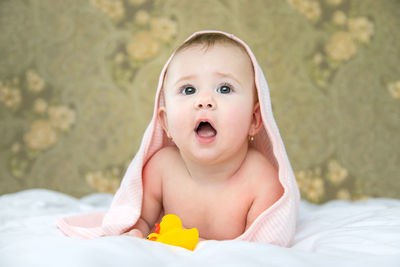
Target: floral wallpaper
(78,77)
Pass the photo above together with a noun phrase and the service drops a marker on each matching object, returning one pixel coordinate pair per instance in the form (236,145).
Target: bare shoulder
(163,156)
(265,185)
(265,178)
(260,164)
(155,167)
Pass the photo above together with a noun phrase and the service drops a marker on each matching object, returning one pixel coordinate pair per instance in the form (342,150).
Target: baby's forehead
(235,55)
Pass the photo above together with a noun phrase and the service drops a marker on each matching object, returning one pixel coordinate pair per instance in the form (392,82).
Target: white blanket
(334,234)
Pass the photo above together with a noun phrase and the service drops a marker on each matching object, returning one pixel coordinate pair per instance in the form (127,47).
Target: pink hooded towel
(276,225)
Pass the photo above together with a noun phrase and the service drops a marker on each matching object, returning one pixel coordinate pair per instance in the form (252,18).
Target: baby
(209,176)
(212,154)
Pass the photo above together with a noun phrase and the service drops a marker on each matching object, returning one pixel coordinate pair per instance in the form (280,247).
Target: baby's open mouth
(205,129)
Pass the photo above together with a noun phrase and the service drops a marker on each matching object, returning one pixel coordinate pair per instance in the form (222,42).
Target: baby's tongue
(206,130)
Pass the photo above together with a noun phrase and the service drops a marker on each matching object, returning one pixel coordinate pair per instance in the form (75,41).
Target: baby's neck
(215,173)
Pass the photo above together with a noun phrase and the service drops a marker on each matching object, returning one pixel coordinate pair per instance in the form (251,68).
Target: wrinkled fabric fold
(276,225)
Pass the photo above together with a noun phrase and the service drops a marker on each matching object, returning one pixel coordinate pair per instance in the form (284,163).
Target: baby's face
(209,101)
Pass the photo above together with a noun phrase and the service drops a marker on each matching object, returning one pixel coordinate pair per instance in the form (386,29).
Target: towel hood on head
(276,225)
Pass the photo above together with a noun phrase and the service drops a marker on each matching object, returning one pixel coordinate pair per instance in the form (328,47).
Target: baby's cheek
(179,123)
(238,123)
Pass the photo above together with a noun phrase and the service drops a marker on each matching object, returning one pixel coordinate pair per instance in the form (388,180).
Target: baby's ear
(162,117)
(256,122)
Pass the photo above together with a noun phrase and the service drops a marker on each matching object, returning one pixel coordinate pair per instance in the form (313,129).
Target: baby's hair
(209,40)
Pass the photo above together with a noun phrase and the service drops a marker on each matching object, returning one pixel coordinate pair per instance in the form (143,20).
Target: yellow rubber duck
(170,232)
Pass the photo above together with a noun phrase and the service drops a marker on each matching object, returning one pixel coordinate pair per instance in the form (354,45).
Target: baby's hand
(135,233)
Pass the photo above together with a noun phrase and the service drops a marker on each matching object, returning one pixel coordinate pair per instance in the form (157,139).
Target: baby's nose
(206,103)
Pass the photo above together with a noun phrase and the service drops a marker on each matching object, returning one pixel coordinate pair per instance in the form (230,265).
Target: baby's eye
(188,90)
(224,89)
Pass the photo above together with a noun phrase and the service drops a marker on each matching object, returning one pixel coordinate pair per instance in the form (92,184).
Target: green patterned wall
(77,82)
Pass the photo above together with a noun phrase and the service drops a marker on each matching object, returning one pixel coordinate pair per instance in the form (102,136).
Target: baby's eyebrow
(221,74)
(187,77)
(227,75)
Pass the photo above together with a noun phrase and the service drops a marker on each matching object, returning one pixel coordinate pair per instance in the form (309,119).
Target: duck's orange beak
(157,231)
(154,236)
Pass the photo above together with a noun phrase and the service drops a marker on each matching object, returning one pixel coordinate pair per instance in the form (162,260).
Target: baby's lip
(204,120)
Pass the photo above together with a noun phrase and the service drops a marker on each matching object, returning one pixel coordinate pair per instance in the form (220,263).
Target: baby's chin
(213,155)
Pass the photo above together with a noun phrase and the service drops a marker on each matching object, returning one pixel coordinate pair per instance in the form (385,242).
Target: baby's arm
(266,192)
(152,198)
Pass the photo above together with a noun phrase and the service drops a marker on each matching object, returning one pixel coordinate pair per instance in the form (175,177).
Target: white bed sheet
(338,233)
